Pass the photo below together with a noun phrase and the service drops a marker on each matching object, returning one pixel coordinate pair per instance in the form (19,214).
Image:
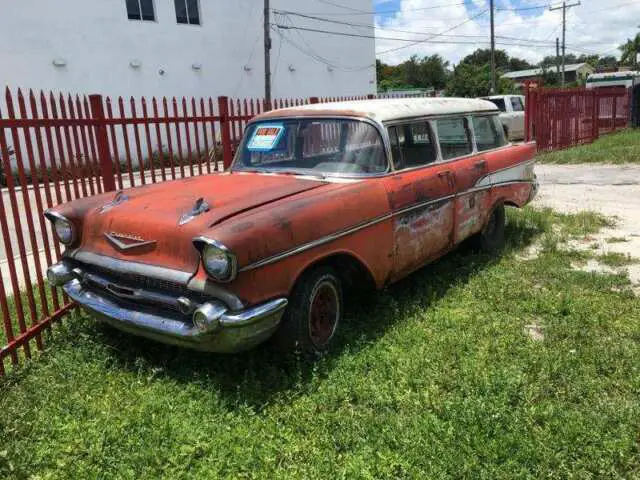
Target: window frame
(408,124)
(468,116)
(377,126)
(470,135)
(475,138)
(186,6)
(153,7)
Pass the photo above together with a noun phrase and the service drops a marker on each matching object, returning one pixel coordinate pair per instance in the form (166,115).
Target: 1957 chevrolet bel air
(318,199)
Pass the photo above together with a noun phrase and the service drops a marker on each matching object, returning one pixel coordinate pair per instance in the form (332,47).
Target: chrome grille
(137,281)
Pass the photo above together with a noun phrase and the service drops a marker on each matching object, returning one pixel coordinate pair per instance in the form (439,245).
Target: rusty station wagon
(318,199)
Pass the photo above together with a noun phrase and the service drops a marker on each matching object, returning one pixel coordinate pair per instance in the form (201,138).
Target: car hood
(148,226)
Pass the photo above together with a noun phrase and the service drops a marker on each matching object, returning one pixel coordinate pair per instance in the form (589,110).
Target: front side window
(412,145)
(454,138)
(312,146)
(187,12)
(516,104)
(488,132)
(141,10)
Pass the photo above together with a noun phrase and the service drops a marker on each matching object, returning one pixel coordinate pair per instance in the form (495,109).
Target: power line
(446,42)
(435,35)
(353,11)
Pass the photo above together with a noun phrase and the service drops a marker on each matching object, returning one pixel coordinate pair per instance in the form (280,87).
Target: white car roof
(383,110)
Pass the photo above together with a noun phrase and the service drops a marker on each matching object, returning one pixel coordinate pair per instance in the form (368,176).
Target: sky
(595,26)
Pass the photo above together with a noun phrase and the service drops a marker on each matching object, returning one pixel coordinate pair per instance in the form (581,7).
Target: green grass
(617,148)
(434,377)
(616,259)
(617,240)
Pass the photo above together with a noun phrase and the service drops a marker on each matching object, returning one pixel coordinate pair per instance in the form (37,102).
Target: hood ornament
(200,207)
(117,200)
(125,241)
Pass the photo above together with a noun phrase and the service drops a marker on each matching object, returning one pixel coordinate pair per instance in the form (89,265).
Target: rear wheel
(314,313)
(491,238)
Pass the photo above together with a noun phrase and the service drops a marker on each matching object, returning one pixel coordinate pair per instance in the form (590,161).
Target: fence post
(314,100)
(371,96)
(225,131)
(102,143)
(614,113)
(527,110)
(595,115)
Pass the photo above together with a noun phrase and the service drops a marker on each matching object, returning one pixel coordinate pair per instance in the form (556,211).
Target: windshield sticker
(265,138)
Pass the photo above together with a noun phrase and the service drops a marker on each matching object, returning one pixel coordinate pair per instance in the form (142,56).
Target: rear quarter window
(488,132)
(454,137)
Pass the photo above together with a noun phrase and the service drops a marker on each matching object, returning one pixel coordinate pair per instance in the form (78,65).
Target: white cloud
(596,26)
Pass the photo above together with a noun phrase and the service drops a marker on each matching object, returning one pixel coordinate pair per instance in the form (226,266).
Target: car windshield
(498,102)
(312,146)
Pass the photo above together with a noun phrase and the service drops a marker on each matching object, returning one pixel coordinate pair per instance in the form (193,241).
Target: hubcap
(324,313)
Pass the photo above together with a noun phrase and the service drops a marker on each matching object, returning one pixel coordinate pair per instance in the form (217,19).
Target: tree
(504,62)
(426,72)
(470,80)
(629,51)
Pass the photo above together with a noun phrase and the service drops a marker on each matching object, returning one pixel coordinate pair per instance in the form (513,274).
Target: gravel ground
(609,189)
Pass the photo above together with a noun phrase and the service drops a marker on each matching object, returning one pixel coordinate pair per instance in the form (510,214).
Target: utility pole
(557,57)
(564,7)
(493,52)
(267,53)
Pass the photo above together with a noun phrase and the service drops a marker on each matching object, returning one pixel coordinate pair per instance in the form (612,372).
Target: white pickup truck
(511,114)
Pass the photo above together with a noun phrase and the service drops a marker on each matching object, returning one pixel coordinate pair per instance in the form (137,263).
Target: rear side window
(412,145)
(516,104)
(488,132)
(454,137)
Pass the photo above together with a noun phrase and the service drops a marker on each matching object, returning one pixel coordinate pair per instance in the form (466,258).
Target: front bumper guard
(223,331)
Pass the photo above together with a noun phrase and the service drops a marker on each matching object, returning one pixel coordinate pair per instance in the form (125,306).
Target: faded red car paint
(265,218)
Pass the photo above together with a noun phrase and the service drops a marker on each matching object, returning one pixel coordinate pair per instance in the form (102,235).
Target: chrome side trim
(132,268)
(336,235)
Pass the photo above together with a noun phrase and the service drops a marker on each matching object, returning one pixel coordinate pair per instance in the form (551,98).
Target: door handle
(451,181)
(481,165)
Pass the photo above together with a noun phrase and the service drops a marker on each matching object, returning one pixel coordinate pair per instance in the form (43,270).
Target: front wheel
(315,310)
(491,238)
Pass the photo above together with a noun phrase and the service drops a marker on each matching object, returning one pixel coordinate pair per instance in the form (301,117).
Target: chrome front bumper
(224,331)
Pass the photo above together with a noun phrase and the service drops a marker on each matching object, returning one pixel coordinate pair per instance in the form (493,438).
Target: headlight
(64,231)
(218,261)
(62,227)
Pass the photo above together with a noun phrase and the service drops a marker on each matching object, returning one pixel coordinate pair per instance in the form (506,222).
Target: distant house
(573,73)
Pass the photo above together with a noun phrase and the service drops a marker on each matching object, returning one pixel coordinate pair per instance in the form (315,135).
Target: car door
(455,136)
(421,198)
(517,108)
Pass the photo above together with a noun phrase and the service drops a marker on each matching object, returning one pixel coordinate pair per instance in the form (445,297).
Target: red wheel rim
(323,314)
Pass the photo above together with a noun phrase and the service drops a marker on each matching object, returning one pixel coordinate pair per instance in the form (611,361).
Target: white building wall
(97,42)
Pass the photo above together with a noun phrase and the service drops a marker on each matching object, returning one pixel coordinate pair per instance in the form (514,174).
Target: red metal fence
(55,149)
(562,118)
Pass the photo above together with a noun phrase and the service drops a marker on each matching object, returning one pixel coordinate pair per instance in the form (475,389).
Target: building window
(141,10)
(187,12)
